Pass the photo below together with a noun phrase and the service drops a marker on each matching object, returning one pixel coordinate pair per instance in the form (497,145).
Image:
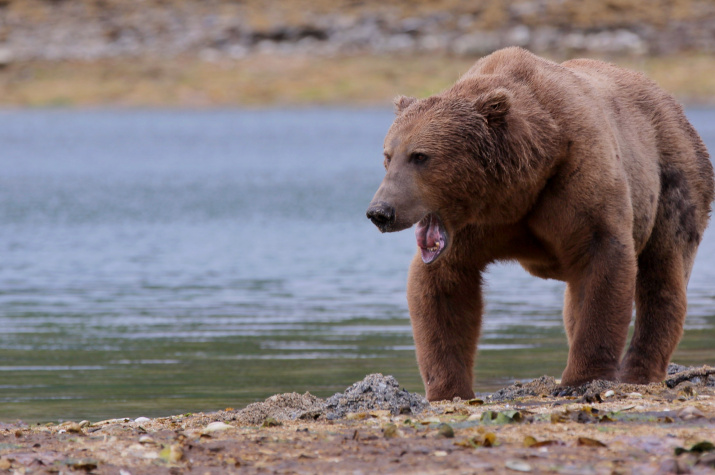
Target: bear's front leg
(600,305)
(446,312)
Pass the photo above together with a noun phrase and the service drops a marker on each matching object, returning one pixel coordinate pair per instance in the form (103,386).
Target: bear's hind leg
(661,305)
(660,313)
(663,271)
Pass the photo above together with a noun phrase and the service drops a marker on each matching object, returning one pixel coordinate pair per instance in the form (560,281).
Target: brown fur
(581,172)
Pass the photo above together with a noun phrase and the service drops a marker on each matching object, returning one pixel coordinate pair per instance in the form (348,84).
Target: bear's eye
(418,157)
(387,159)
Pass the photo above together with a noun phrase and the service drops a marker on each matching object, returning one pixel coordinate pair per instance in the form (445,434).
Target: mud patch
(375,392)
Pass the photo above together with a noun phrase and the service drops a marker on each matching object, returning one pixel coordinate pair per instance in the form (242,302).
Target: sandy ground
(601,428)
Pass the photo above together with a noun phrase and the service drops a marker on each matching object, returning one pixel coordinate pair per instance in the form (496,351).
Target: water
(159,262)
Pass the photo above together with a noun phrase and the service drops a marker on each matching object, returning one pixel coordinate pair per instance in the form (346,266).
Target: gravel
(375,392)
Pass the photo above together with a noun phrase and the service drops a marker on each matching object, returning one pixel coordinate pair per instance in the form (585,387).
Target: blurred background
(183,186)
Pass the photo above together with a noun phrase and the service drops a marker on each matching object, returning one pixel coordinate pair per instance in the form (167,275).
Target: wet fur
(581,172)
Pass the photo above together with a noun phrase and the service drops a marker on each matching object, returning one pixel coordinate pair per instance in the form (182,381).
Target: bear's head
(440,155)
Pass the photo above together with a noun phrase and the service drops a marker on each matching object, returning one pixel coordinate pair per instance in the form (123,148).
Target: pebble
(216,427)
(380,413)
(142,419)
(689,413)
(389,431)
(176,453)
(73,428)
(145,439)
(356,416)
(445,430)
(609,393)
(518,465)
(430,420)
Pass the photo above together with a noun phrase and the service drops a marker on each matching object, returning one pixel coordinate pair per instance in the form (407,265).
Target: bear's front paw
(638,370)
(640,376)
(576,379)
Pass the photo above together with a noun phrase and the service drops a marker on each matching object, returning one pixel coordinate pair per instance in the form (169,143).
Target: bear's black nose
(382,215)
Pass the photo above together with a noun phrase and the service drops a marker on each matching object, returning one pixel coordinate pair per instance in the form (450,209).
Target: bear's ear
(402,103)
(494,106)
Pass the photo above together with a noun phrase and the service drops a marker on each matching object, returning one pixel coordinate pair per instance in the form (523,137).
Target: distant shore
(256,53)
(273,80)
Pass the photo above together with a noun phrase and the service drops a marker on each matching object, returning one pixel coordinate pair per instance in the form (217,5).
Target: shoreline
(375,427)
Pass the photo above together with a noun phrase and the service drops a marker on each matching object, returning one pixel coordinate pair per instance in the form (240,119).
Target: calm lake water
(160,262)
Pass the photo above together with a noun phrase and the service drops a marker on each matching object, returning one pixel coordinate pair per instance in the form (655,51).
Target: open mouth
(431,237)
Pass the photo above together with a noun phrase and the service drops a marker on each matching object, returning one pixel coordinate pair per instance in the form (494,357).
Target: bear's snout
(382,215)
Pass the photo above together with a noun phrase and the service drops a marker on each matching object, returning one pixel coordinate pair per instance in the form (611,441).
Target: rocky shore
(90,30)
(376,427)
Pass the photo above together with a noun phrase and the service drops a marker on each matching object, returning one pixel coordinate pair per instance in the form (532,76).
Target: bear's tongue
(431,237)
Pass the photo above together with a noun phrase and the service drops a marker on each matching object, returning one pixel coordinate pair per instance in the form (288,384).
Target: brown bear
(580,171)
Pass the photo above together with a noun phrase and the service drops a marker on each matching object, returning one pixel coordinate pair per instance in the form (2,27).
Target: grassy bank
(285,81)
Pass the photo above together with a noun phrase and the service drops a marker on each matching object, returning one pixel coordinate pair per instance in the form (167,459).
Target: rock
(689,413)
(675,466)
(282,407)
(445,430)
(172,454)
(674,368)
(518,36)
(270,422)
(518,465)
(356,416)
(6,56)
(476,44)
(125,29)
(216,427)
(707,460)
(434,42)
(87,465)
(73,428)
(375,392)
(141,420)
(389,431)
(691,374)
